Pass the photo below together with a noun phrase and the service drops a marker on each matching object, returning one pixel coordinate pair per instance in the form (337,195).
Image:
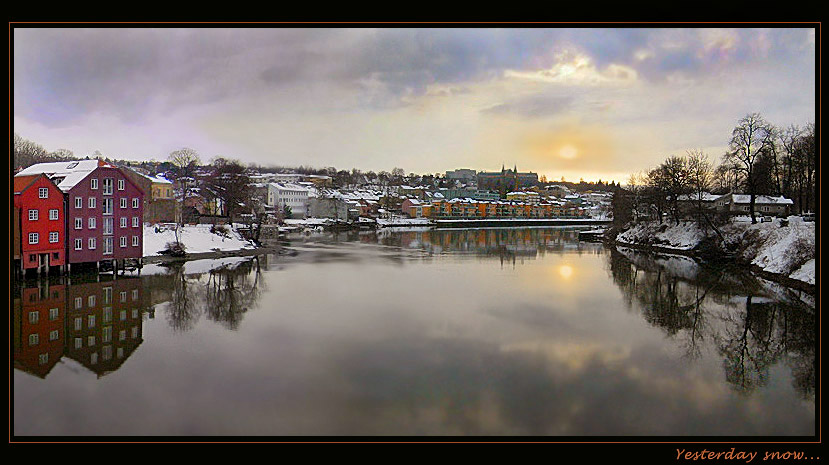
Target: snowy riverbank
(786,251)
(196,239)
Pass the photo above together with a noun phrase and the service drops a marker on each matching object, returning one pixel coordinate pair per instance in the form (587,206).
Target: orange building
(39,328)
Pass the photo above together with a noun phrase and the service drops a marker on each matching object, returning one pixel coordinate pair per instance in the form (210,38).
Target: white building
(293,196)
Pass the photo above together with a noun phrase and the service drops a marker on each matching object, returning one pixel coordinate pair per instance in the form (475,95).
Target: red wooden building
(39,204)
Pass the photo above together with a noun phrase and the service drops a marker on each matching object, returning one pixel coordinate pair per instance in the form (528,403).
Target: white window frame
(54,314)
(90,321)
(92,244)
(94,184)
(123,222)
(122,241)
(108,246)
(54,237)
(54,214)
(107,207)
(135,241)
(90,301)
(78,222)
(108,186)
(34,238)
(78,303)
(33,215)
(135,202)
(135,294)
(78,323)
(120,184)
(78,342)
(123,202)
(135,222)
(91,223)
(91,203)
(34,317)
(54,335)
(34,339)
(78,244)
(43,193)
(78,202)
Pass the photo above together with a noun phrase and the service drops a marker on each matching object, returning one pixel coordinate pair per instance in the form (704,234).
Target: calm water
(472,332)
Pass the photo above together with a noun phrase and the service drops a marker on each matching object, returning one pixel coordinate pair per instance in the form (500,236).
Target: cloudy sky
(591,103)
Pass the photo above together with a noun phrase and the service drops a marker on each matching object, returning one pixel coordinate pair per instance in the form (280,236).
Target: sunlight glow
(566,271)
(568,151)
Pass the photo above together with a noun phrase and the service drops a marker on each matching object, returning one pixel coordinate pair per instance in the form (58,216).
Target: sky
(591,103)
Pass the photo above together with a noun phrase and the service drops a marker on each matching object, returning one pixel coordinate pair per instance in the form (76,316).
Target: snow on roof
(759,199)
(64,174)
(705,196)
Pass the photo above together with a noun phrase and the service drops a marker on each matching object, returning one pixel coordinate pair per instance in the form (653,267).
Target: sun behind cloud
(568,151)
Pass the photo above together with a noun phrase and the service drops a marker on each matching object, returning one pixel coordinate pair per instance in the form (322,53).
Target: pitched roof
(64,173)
(22,182)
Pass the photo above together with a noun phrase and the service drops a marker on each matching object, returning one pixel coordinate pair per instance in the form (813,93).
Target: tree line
(761,159)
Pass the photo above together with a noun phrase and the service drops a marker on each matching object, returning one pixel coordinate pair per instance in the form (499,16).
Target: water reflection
(751,323)
(420,332)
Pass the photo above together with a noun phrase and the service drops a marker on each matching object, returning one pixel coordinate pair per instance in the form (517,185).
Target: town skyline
(591,103)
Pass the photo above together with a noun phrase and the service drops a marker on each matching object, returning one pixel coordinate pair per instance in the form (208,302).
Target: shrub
(220,229)
(174,249)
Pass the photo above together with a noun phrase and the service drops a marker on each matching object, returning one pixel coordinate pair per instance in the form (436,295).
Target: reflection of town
(99,324)
(96,323)
(752,325)
(503,243)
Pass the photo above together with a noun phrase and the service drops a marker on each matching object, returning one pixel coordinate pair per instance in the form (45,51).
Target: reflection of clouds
(575,355)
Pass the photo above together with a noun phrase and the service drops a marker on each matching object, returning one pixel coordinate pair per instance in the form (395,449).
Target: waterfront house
(38,332)
(103,212)
(293,196)
(42,230)
(764,205)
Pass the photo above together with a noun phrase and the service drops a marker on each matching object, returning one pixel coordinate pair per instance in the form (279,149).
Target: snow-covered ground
(789,250)
(196,239)
(386,222)
(684,236)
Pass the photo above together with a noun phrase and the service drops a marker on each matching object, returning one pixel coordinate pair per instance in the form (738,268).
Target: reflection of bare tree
(230,292)
(696,307)
(184,311)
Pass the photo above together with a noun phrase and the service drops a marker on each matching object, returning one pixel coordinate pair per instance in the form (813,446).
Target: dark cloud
(535,106)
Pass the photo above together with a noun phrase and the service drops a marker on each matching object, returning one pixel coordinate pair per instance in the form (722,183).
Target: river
(481,332)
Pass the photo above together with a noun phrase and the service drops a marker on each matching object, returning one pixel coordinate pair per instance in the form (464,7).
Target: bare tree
(752,137)
(230,182)
(184,161)
(700,178)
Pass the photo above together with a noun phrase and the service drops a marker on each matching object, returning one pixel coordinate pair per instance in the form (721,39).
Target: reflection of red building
(103,323)
(39,329)
(39,203)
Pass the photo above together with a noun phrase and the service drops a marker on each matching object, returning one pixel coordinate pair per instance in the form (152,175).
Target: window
(78,302)
(106,335)
(135,294)
(32,258)
(123,222)
(90,321)
(134,332)
(33,215)
(107,208)
(78,223)
(34,339)
(53,237)
(92,243)
(134,221)
(107,186)
(135,241)
(122,335)
(34,238)
(34,317)
(78,244)
(54,214)
(123,202)
(123,241)
(92,202)
(106,352)
(78,342)
(54,335)
(90,341)
(122,315)
(43,193)
(108,225)
(135,313)
(107,315)
(53,314)
(134,202)
(93,184)
(78,202)
(107,295)
(120,184)
(91,301)
(92,222)
(78,324)
(108,245)
(43,359)
(123,296)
